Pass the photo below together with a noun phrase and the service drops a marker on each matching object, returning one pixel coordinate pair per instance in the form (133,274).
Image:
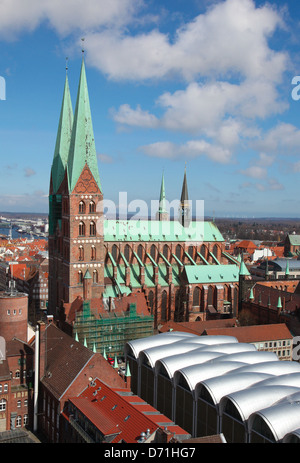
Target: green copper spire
(287,269)
(63,139)
(251,294)
(82,146)
(243,269)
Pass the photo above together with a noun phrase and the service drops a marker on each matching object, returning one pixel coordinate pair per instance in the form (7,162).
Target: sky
(210,86)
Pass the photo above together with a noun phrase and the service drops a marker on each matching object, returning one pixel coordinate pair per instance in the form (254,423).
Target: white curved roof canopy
(174,362)
(195,373)
(252,357)
(231,348)
(274,368)
(137,345)
(219,386)
(253,399)
(289,379)
(155,353)
(213,339)
(281,419)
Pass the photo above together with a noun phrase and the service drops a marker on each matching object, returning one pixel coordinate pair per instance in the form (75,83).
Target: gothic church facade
(180,265)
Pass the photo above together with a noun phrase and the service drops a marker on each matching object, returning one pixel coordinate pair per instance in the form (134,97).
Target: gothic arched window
(196,297)
(92,207)
(92,229)
(80,277)
(164,301)
(81,208)
(81,253)
(93,253)
(81,229)
(95,276)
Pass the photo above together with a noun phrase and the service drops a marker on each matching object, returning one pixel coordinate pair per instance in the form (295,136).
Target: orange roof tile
(254,333)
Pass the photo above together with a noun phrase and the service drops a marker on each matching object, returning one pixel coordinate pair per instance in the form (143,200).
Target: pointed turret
(82,147)
(184,213)
(63,139)
(162,213)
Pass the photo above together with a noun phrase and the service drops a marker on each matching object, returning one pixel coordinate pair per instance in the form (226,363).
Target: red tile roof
(254,333)
(117,411)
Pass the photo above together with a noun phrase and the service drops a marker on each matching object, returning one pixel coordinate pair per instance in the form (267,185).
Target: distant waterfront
(15,234)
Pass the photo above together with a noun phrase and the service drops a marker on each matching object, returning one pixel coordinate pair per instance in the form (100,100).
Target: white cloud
(64,16)
(105,158)
(134,117)
(190,149)
(229,39)
(284,138)
(257,172)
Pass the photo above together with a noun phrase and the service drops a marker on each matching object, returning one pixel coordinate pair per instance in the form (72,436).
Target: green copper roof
(205,274)
(162,198)
(294,239)
(62,139)
(87,274)
(155,230)
(243,269)
(82,146)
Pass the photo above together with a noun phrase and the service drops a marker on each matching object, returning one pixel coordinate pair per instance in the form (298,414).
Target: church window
(153,251)
(203,251)
(92,207)
(191,251)
(92,229)
(127,252)
(114,252)
(80,277)
(165,251)
(81,207)
(81,229)
(151,301)
(140,252)
(93,253)
(196,297)
(95,276)
(81,253)
(215,251)
(178,251)
(164,300)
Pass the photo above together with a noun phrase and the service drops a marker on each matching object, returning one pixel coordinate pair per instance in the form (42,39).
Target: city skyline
(210,85)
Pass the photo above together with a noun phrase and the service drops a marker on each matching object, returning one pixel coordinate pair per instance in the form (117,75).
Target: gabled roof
(65,358)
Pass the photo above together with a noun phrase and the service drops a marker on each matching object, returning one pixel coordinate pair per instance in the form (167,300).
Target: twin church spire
(75,143)
(75,148)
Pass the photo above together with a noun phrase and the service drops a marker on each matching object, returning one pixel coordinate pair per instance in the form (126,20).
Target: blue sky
(202,83)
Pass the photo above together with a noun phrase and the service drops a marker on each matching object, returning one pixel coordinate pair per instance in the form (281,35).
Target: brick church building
(180,266)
